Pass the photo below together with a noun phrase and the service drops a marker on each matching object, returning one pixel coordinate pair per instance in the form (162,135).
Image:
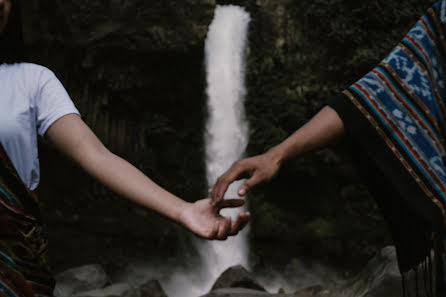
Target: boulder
(241,292)
(151,288)
(310,291)
(380,277)
(84,278)
(115,290)
(237,277)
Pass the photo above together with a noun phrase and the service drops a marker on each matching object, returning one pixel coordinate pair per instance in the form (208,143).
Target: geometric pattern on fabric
(395,118)
(403,98)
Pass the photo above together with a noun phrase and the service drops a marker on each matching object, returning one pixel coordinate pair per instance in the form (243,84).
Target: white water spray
(227,130)
(226,139)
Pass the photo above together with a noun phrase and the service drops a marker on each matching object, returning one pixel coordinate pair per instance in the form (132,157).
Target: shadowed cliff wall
(134,69)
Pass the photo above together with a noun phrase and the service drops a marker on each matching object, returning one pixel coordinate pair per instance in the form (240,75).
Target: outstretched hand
(256,169)
(204,220)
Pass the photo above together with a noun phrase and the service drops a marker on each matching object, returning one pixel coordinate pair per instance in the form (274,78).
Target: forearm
(322,129)
(126,180)
(73,137)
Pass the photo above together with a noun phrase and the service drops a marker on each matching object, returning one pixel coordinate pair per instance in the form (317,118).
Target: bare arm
(75,139)
(323,128)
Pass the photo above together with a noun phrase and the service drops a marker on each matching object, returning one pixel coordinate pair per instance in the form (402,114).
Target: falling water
(226,133)
(225,139)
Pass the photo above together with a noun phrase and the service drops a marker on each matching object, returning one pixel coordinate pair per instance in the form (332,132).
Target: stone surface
(151,288)
(115,290)
(310,291)
(237,277)
(84,278)
(240,292)
(380,277)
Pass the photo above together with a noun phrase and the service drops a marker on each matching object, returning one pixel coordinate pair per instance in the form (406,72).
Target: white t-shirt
(31,99)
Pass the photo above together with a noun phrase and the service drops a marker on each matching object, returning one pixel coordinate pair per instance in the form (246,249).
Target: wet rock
(115,290)
(380,277)
(151,288)
(310,291)
(237,277)
(241,292)
(84,278)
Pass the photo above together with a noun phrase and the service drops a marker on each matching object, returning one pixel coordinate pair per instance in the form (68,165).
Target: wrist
(178,216)
(277,155)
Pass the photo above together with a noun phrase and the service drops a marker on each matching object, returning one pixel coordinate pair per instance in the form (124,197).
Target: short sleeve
(52,101)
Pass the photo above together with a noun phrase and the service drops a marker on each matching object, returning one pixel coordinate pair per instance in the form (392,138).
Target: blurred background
(135,71)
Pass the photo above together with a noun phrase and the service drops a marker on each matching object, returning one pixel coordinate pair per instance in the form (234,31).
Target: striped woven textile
(24,269)
(395,118)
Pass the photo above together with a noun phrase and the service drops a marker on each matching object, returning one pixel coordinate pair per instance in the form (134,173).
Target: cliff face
(135,71)
(302,53)
(134,25)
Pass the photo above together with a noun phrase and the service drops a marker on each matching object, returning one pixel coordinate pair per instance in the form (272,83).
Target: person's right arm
(323,128)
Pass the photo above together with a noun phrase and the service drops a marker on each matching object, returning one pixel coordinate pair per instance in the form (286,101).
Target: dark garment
(395,121)
(24,269)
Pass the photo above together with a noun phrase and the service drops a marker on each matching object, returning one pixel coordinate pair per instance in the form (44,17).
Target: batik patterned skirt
(24,267)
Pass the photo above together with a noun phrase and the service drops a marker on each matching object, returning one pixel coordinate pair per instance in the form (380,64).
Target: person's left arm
(75,139)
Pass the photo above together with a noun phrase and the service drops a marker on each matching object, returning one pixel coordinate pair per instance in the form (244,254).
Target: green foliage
(317,202)
(301,53)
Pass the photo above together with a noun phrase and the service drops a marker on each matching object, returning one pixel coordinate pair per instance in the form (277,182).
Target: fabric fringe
(427,279)
(439,265)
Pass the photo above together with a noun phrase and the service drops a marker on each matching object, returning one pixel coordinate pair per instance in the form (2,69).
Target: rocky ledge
(380,277)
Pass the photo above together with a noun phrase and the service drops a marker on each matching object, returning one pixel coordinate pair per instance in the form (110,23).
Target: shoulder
(31,69)
(28,73)
(30,76)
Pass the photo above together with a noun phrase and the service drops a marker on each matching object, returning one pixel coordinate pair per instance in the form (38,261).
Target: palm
(204,219)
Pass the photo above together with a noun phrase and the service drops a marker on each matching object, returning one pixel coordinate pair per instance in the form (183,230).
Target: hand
(257,169)
(204,220)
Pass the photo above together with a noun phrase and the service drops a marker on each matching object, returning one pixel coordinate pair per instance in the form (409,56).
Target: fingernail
(242,192)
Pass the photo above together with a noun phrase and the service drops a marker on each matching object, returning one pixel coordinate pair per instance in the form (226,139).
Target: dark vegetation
(142,91)
(318,204)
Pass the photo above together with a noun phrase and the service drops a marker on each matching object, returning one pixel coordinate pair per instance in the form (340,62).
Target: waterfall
(225,139)
(226,130)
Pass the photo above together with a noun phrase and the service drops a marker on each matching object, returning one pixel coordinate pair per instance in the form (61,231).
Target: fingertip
(242,192)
